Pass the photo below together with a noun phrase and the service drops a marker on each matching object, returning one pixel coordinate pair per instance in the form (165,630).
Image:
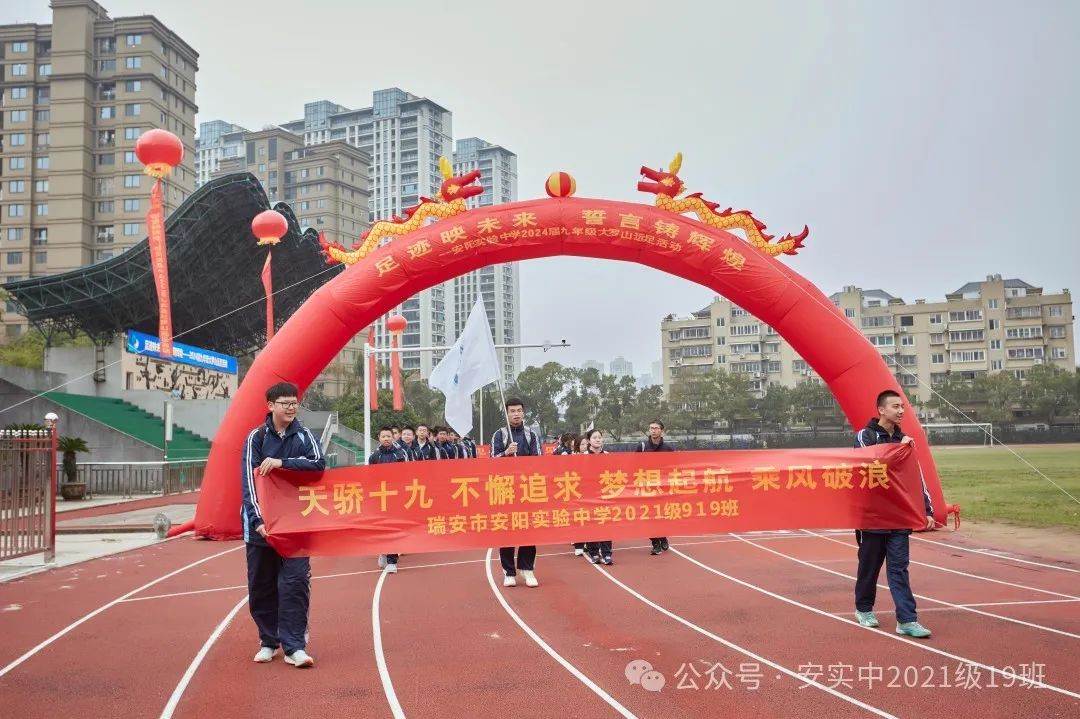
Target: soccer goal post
(962,432)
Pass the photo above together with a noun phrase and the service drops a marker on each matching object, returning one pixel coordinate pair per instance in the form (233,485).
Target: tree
(988,398)
(542,389)
(1051,392)
(953,398)
(582,399)
(813,404)
(29,349)
(701,398)
(428,404)
(774,408)
(647,406)
(316,401)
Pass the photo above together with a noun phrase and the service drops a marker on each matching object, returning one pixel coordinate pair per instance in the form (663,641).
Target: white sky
(926,144)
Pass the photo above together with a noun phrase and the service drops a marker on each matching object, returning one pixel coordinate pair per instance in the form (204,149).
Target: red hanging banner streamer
(395,375)
(373,374)
(268,287)
(159,264)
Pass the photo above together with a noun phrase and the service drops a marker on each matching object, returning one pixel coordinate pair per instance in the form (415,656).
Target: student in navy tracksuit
(887,545)
(407,442)
(517,442)
(386,453)
(279,588)
(598,551)
(470,447)
(447,450)
(425,445)
(656,443)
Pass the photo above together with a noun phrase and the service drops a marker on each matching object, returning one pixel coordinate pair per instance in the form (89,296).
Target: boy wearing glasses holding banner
(279,588)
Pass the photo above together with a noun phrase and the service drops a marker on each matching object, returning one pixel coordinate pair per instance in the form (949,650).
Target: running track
(761,624)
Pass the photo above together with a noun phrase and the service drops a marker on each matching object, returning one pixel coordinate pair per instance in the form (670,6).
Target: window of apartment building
(14,234)
(320,203)
(19,115)
(17,186)
(131,229)
(18,93)
(20,47)
(106,138)
(262,167)
(935,319)
(995,344)
(1020,374)
(968,356)
(42,139)
(108,65)
(45,70)
(18,69)
(907,320)
(746,348)
(992,304)
(907,341)
(41,186)
(133,40)
(744,330)
(107,44)
(132,180)
(14,258)
(102,255)
(17,163)
(719,321)
(1057,333)
(107,158)
(41,115)
(774,366)
(133,85)
(108,112)
(882,340)
(132,109)
(1017,313)
(17,139)
(107,91)
(164,75)
(1059,352)
(41,258)
(104,207)
(133,63)
(104,186)
(966,336)
(103,234)
(721,359)
(1024,352)
(995,365)
(965,316)
(799,365)
(130,158)
(1023,333)
(937,358)
(41,96)
(16,210)
(1056,311)
(304,206)
(132,133)
(319,171)
(995,324)
(131,205)
(41,209)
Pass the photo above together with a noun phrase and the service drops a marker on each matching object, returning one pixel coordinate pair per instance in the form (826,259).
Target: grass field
(992,485)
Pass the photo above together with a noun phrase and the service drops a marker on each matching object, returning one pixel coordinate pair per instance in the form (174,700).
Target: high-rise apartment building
(621,367)
(499,284)
(76,96)
(983,327)
(217,141)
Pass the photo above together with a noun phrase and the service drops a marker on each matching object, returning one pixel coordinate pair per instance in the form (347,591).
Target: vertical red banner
(395,375)
(159,264)
(373,372)
(268,287)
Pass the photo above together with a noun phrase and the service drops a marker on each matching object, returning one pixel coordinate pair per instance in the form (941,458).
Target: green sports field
(992,485)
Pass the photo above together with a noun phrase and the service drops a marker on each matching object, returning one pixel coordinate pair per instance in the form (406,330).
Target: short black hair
(656,421)
(439,428)
(393,427)
(886,396)
(514,402)
(591,432)
(424,425)
(409,427)
(567,437)
(385,429)
(281,389)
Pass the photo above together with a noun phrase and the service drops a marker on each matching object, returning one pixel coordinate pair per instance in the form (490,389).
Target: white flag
(469,365)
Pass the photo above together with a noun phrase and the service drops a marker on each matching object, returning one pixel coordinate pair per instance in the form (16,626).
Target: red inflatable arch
(687,248)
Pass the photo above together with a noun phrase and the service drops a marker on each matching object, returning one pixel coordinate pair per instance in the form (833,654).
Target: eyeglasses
(288,405)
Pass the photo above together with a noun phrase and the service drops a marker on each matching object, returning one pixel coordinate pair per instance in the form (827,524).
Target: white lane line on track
(995,555)
(610,700)
(380,657)
(742,650)
(887,635)
(181,687)
(103,607)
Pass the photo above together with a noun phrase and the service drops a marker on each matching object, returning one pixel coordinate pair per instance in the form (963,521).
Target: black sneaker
(608,561)
(595,558)
(657,547)
(664,544)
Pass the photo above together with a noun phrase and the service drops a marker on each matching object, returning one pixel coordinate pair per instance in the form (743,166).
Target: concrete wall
(106,444)
(32,379)
(201,416)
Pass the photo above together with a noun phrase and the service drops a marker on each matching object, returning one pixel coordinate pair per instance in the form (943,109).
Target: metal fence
(127,479)
(27,493)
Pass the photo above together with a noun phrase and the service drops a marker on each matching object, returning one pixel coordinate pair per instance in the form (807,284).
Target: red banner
(268,287)
(480,503)
(159,264)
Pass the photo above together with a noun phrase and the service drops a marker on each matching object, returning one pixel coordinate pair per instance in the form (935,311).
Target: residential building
(996,325)
(593,364)
(499,284)
(76,95)
(621,367)
(216,140)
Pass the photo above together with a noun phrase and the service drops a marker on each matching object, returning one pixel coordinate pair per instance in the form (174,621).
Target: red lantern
(160,151)
(396,324)
(560,184)
(269,226)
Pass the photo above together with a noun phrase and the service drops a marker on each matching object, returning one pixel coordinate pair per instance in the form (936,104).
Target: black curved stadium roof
(214,276)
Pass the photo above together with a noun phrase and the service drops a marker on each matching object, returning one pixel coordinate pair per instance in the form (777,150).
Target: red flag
(159,264)
(395,375)
(373,374)
(268,286)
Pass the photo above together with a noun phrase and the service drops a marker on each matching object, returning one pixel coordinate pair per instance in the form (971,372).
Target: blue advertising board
(143,344)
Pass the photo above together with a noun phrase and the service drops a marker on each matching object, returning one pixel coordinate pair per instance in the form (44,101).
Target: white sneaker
(299,659)
(578,551)
(382,561)
(509,580)
(391,568)
(530,578)
(265,655)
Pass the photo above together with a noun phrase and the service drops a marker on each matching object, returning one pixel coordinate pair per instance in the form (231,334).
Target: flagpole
(481,415)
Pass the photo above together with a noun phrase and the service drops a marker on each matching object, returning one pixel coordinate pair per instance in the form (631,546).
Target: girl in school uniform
(598,551)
